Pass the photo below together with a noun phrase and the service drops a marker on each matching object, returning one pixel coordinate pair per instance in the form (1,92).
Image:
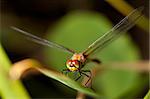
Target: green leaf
(69,82)
(116,83)
(9,89)
(147,95)
(20,67)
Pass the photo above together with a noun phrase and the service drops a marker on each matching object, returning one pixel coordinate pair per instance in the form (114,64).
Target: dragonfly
(79,60)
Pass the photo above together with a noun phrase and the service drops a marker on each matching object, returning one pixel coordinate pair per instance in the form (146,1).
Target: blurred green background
(75,24)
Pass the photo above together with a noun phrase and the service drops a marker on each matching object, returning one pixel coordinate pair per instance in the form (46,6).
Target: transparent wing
(43,41)
(123,26)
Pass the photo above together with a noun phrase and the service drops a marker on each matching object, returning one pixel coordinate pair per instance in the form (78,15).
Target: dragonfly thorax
(80,57)
(74,64)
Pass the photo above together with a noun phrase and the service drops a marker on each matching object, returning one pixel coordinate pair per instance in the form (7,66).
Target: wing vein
(123,26)
(43,41)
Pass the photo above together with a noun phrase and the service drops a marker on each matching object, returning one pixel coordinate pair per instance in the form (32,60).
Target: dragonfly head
(73,65)
(76,60)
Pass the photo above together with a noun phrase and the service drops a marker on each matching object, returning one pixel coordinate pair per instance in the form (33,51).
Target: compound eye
(75,63)
(69,63)
(72,65)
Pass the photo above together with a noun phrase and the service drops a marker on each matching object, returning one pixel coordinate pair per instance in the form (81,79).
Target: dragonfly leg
(79,76)
(94,60)
(86,71)
(65,71)
(89,76)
